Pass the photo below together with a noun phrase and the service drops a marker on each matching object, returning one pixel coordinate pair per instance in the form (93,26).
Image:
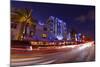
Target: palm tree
(22,16)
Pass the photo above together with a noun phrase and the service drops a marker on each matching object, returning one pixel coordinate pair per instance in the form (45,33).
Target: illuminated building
(41,33)
(74,36)
(79,37)
(22,34)
(68,36)
(56,28)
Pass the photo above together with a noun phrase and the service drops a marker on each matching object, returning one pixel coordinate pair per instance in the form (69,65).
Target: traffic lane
(55,58)
(36,53)
(83,53)
(39,51)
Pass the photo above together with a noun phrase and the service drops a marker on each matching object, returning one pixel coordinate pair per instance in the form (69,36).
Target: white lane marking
(48,62)
(40,61)
(26,59)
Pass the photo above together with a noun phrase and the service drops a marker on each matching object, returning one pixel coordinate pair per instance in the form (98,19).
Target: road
(65,54)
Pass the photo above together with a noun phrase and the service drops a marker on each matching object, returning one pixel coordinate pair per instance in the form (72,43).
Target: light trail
(82,52)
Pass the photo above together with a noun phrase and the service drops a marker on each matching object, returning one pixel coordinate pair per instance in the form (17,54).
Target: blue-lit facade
(57,28)
(79,37)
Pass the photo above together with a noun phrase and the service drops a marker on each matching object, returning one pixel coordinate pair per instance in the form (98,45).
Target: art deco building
(56,28)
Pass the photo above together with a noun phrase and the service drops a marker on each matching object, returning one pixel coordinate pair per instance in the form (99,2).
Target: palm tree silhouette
(22,16)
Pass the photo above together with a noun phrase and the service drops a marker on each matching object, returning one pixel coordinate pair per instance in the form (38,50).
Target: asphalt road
(65,54)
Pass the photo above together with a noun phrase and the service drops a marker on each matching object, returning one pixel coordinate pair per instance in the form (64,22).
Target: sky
(78,17)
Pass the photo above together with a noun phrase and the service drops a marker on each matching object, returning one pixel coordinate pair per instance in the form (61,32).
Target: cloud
(89,16)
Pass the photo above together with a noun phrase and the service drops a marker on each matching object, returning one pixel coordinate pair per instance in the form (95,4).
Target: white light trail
(83,46)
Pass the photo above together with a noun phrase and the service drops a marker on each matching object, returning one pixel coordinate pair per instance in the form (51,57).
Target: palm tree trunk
(21,31)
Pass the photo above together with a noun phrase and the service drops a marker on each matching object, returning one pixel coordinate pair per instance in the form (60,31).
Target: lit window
(44,35)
